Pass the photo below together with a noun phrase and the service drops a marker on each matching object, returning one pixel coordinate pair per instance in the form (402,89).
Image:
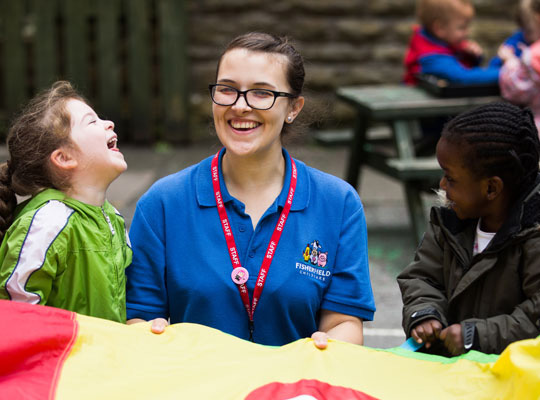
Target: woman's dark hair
(502,141)
(43,126)
(267,43)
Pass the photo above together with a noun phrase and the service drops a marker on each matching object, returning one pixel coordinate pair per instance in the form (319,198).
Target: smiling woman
(252,229)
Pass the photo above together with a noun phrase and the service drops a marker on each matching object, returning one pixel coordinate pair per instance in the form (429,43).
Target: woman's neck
(253,173)
(255,181)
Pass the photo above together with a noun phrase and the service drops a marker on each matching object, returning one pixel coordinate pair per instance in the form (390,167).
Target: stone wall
(344,42)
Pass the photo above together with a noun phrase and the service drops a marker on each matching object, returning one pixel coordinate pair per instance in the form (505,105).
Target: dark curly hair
(503,141)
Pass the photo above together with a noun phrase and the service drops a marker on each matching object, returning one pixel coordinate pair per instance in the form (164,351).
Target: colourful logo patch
(314,261)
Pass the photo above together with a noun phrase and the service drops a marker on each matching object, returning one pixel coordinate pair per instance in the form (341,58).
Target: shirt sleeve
(449,68)
(29,260)
(350,290)
(146,289)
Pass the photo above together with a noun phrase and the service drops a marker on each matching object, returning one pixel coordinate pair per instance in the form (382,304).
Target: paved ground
(391,244)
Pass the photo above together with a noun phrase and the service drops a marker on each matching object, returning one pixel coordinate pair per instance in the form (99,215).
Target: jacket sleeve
(448,67)
(422,283)
(29,263)
(495,333)
(519,83)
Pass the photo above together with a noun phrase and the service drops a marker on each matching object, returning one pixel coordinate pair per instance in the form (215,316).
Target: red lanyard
(231,245)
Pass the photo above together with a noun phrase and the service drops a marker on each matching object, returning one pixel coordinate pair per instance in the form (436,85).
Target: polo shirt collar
(205,189)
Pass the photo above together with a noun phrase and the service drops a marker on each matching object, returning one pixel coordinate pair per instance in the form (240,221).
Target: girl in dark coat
(475,279)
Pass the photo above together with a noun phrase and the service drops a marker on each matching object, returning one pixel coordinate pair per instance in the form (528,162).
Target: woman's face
(240,128)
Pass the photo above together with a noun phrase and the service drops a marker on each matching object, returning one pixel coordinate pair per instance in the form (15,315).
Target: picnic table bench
(401,107)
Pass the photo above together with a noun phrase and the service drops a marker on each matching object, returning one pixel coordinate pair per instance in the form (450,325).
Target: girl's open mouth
(111,144)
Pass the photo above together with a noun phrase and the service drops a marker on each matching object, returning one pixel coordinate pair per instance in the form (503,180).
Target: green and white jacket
(64,253)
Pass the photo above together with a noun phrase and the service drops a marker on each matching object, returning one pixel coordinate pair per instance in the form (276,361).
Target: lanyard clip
(251,329)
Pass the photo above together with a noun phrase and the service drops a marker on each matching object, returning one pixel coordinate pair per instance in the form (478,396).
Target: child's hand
(506,53)
(472,47)
(159,325)
(453,339)
(427,332)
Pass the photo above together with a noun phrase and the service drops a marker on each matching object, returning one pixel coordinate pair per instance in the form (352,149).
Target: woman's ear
(495,187)
(297,106)
(63,159)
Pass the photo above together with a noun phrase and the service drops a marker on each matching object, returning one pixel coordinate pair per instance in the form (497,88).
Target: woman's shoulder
(178,184)
(324,182)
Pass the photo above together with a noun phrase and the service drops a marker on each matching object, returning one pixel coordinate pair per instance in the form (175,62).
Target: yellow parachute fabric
(188,361)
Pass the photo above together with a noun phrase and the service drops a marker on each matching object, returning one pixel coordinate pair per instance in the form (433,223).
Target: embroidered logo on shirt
(314,261)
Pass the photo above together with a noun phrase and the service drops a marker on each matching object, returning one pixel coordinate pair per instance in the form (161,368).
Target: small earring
(289,119)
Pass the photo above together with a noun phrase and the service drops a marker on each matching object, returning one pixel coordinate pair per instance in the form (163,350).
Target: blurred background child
(519,79)
(528,19)
(475,279)
(65,246)
(440,45)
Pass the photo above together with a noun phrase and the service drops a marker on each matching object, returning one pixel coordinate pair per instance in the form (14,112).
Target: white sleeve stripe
(128,242)
(45,226)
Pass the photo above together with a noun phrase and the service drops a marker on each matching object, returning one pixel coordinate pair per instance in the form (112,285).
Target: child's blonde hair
(429,11)
(43,126)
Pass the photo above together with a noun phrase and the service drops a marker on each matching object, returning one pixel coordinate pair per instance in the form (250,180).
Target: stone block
(360,29)
(389,53)
(336,52)
(334,7)
(402,8)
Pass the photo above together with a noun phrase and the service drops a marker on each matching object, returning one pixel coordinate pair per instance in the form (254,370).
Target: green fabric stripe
(471,356)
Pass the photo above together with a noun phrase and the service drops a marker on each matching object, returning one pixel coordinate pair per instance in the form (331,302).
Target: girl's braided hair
(503,141)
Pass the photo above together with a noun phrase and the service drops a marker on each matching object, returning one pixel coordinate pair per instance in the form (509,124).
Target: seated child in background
(65,246)
(519,78)
(475,279)
(528,19)
(440,47)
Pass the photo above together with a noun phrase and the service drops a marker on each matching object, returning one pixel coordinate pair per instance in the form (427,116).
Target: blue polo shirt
(181,267)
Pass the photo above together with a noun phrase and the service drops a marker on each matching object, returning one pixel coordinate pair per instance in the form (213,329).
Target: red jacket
(423,44)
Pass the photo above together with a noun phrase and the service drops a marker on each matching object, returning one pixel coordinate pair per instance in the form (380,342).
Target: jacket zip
(108,221)
(119,307)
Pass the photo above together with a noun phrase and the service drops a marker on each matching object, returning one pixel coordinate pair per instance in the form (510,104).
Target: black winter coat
(494,295)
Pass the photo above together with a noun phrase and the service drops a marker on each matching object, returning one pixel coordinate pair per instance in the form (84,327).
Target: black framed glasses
(258,99)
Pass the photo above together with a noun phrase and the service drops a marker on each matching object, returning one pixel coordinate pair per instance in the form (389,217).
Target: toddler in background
(66,246)
(440,46)
(519,79)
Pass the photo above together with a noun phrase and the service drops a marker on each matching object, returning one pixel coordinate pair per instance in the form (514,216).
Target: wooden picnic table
(401,107)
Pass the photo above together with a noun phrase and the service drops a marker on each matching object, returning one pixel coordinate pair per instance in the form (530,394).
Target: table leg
(356,152)
(404,132)
(416,210)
